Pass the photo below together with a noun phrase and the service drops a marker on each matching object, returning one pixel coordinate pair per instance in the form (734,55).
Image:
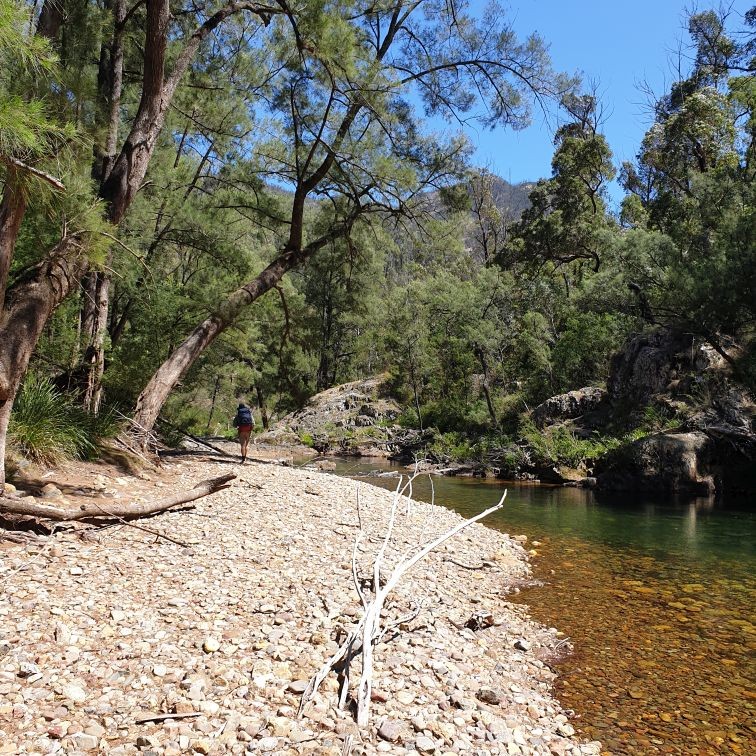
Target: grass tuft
(46,427)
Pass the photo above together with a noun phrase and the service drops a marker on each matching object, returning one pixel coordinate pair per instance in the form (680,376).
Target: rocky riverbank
(115,641)
(673,419)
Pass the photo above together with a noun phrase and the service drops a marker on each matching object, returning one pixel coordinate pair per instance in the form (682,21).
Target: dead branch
(50,179)
(195,438)
(163,717)
(127,511)
(480,566)
(368,631)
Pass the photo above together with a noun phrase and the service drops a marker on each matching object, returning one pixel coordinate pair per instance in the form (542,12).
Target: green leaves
(692,193)
(27,130)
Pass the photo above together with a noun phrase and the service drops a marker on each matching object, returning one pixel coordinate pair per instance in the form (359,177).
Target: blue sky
(619,44)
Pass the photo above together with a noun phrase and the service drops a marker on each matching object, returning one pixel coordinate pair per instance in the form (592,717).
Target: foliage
(691,195)
(477,308)
(47,427)
(307,439)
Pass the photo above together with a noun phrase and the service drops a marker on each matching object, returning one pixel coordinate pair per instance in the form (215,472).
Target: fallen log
(196,439)
(125,511)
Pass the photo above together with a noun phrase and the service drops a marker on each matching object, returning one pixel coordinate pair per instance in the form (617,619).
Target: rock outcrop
(568,406)
(672,462)
(712,446)
(680,386)
(353,419)
(658,363)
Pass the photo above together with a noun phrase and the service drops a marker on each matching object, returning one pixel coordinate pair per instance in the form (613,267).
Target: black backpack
(243,417)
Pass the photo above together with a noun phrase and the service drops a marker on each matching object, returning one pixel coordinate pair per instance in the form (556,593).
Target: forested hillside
(202,204)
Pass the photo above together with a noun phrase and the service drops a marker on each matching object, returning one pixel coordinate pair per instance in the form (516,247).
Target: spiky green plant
(46,427)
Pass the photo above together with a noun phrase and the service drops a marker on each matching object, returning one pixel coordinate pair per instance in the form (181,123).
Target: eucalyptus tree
(567,223)
(345,135)
(170,43)
(691,200)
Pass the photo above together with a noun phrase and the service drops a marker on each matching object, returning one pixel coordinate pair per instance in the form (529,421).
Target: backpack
(243,417)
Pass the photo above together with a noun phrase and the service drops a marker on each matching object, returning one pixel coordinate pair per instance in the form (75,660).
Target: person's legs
(244,433)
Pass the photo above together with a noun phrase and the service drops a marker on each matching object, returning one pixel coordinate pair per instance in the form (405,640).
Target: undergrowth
(47,427)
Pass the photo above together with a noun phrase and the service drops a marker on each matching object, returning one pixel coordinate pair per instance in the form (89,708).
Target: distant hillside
(511,199)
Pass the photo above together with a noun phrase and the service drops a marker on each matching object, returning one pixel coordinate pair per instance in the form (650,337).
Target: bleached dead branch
(369,630)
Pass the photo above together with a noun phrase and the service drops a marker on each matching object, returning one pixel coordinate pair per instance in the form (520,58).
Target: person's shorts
(244,428)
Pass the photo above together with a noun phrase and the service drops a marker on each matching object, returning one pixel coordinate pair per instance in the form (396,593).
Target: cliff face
(712,445)
(706,439)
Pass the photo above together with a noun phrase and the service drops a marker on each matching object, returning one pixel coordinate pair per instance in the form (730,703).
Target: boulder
(658,362)
(350,419)
(568,406)
(670,462)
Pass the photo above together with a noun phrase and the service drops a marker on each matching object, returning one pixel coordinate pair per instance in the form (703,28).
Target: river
(657,597)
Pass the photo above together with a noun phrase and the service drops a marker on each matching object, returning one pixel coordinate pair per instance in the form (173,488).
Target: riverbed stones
(223,637)
(211,645)
(390,730)
(424,744)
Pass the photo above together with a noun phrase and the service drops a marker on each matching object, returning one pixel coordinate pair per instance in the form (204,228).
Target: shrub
(558,446)
(46,427)
(307,439)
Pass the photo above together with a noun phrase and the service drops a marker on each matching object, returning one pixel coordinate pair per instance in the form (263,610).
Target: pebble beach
(114,640)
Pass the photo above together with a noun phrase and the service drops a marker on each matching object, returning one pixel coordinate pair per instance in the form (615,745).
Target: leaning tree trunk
(12,210)
(164,380)
(121,175)
(152,399)
(33,300)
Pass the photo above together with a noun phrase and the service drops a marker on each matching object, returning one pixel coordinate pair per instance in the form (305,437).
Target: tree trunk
(28,307)
(216,388)
(96,285)
(151,400)
(96,288)
(121,176)
(263,408)
(36,297)
(12,209)
(480,354)
(5,412)
(51,18)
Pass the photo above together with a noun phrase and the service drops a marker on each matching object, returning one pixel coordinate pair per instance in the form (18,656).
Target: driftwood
(164,717)
(370,628)
(126,511)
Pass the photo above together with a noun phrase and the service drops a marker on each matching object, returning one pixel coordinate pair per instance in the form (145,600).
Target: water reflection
(701,528)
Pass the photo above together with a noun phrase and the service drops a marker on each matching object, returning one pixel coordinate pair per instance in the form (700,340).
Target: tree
(691,202)
(348,139)
(567,221)
(36,294)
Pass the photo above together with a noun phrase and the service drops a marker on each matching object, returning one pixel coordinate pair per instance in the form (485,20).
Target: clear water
(657,596)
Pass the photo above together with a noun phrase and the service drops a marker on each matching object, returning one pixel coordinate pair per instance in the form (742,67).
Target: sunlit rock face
(568,406)
(659,362)
(353,418)
(711,446)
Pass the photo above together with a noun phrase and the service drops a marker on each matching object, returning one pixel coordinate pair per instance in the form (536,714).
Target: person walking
(243,422)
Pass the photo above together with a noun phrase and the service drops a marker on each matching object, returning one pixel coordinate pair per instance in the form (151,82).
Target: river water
(657,597)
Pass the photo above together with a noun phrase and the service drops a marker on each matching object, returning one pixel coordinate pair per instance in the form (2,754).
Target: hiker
(243,423)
